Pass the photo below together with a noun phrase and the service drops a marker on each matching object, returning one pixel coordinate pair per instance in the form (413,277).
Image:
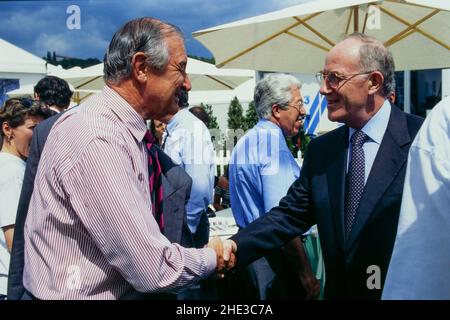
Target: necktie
(155,180)
(355,179)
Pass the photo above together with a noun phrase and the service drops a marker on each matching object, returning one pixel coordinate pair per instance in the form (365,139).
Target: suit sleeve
(291,218)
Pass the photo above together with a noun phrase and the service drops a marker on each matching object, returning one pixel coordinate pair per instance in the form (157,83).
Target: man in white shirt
(420,263)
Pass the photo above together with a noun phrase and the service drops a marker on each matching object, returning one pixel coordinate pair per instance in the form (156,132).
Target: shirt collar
(125,112)
(267,124)
(54,109)
(376,126)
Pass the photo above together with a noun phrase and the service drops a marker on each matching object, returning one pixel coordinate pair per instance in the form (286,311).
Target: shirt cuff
(211,261)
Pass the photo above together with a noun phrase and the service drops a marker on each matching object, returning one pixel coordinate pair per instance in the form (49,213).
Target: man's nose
(187,83)
(302,111)
(324,87)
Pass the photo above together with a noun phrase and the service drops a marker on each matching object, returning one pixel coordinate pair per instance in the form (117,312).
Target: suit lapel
(166,166)
(336,184)
(388,161)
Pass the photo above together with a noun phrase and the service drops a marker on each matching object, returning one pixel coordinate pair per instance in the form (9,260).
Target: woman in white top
(18,117)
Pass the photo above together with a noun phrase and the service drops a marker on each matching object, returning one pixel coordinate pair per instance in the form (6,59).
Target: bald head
(362,54)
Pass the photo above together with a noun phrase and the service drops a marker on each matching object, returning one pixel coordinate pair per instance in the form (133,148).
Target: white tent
(16,60)
(203,76)
(19,65)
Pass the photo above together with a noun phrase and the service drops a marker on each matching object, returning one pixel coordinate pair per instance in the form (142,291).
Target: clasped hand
(225,253)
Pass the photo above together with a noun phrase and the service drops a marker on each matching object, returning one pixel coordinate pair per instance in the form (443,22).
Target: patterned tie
(155,180)
(355,179)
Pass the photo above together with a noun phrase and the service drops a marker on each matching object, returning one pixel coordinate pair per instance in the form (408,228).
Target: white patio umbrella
(296,39)
(203,76)
(206,76)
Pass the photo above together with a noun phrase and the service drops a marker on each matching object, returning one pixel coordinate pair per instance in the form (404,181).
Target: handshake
(225,253)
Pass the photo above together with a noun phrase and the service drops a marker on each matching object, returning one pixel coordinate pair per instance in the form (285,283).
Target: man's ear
(375,82)
(276,111)
(140,67)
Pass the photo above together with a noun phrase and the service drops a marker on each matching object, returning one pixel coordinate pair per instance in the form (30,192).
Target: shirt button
(141,177)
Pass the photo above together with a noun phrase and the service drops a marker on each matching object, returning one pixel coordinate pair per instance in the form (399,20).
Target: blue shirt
(261,171)
(374,129)
(188,143)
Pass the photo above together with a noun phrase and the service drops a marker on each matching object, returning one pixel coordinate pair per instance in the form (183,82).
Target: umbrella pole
(355,19)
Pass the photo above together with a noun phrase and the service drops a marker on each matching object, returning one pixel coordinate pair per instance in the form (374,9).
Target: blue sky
(40,26)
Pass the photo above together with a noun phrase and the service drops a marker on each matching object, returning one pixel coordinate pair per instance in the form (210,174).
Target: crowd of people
(110,199)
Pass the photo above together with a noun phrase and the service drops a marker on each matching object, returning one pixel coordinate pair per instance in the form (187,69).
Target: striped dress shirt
(90,232)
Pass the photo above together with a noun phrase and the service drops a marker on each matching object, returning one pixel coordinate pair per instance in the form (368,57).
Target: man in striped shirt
(90,232)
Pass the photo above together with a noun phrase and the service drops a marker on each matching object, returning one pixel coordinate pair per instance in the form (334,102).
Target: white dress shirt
(374,129)
(420,263)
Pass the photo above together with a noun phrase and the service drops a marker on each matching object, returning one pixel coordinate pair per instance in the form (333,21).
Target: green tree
(212,118)
(251,118)
(305,139)
(236,122)
(236,119)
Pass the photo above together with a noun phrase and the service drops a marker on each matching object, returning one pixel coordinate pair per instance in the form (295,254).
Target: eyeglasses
(298,106)
(334,78)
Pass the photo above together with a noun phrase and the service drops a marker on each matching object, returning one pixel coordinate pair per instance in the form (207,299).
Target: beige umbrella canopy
(203,76)
(296,39)
(85,81)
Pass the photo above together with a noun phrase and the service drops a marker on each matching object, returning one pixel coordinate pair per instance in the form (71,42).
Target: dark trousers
(268,278)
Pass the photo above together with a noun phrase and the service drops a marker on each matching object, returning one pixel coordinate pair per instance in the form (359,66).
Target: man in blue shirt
(261,171)
(188,143)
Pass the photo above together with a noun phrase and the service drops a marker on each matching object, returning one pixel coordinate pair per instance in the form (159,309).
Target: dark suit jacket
(318,197)
(176,185)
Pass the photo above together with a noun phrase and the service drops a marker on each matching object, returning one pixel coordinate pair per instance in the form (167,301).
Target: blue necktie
(355,179)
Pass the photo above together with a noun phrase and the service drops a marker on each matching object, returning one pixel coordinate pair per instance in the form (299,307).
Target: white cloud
(70,44)
(54,42)
(30,21)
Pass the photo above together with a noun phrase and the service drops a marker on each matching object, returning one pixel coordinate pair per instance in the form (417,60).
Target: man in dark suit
(177,188)
(352,178)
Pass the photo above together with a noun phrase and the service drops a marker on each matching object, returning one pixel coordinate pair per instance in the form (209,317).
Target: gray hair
(274,88)
(373,55)
(145,35)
